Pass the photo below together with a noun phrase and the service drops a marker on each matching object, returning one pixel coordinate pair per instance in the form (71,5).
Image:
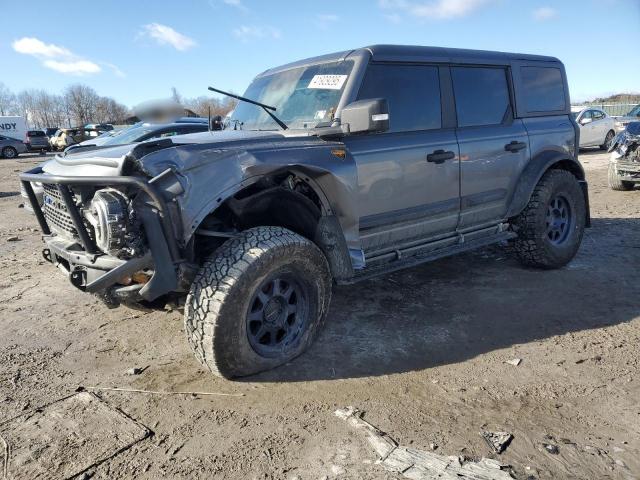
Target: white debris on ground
(421,464)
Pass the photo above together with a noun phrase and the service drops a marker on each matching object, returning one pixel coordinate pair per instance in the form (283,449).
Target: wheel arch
(288,197)
(533,172)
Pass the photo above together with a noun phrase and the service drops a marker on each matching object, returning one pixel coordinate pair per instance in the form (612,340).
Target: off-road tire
(533,246)
(615,183)
(9,152)
(216,309)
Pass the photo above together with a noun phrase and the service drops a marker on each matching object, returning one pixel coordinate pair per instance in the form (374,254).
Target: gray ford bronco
(330,170)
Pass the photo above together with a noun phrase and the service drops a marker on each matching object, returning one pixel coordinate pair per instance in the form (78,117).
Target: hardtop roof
(417,53)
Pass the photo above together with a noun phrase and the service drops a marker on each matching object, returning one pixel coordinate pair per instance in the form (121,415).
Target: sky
(138,50)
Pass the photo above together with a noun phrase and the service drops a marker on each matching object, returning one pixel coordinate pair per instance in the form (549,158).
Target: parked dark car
(142,133)
(50,131)
(11,147)
(37,140)
(332,169)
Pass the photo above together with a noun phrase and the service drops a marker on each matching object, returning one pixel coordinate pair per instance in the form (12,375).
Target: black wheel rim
(278,314)
(559,220)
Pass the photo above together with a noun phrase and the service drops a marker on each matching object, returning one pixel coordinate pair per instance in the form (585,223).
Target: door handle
(439,156)
(515,146)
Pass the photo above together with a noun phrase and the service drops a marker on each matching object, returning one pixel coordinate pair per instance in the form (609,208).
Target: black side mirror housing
(365,116)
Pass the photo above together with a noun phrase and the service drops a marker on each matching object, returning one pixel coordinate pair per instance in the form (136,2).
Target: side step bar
(411,261)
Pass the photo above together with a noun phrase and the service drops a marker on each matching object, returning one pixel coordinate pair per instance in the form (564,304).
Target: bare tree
(201,105)
(8,102)
(175,95)
(81,101)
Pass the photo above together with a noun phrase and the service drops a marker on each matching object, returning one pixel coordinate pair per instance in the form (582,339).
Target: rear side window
(482,95)
(412,92)
(543,89)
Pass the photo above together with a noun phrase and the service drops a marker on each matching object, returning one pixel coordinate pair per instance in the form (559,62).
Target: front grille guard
(63,183)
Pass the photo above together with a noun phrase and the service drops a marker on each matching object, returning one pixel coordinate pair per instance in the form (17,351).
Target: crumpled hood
(108,161)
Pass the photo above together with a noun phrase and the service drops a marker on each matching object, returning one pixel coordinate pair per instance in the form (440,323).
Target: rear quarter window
(543,89)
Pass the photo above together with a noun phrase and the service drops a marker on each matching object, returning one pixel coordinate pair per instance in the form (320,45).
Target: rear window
(543,89)
(35,133)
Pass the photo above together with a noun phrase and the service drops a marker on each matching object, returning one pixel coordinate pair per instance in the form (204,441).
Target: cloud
(78,67)
(393,18)
(435,9)
(58,58)
(246,33)
(237,4)
(165,35)
(35,47)
(325,20)
(544,13)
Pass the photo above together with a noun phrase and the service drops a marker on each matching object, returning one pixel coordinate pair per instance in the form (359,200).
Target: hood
(108,161)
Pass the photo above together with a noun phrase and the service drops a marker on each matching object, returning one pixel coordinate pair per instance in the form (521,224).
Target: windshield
(635,112)
(304,97)
(130,136)
(575,114)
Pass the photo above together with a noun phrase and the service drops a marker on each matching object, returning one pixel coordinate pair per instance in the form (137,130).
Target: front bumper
(89,269)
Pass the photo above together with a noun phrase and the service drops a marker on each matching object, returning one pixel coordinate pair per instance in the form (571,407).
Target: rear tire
(9,152)
(614,180)
(257,302)
(551,226)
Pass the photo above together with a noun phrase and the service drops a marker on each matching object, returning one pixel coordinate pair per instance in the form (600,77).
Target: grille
(56,213)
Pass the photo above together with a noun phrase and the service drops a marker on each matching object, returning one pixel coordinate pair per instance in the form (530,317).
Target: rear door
(408,177)
(494,147)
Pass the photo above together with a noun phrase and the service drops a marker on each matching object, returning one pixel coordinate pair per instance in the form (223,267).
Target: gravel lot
(422,352)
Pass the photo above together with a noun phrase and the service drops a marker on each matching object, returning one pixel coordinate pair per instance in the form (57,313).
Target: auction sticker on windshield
(327,82)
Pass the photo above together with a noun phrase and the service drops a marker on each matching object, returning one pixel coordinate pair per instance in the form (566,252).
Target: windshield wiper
(266,108)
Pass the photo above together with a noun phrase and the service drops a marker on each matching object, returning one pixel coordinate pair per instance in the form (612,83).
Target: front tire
(615,183)
(551,226)
(257,302)
(9,152)
(607,140)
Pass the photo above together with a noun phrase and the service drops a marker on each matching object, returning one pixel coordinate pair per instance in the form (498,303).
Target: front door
(408,177)
(494,147)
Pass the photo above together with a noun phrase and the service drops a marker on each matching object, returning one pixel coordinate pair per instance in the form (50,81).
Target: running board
(417,259)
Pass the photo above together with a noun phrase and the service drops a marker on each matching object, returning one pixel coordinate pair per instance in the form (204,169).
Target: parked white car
(597,129)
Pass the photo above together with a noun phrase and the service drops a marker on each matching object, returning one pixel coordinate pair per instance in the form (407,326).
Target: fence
(613,109)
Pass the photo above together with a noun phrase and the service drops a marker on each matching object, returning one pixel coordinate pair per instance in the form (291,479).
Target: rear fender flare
(534,171)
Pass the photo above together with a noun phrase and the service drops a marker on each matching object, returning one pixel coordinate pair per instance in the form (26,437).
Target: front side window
(304,97)
(543,89)
(482,95)
(412,93)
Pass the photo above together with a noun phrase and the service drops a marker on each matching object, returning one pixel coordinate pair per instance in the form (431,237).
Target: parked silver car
(11,147)
(597,129)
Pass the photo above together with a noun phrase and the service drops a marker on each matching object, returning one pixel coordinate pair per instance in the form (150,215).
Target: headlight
(108,214)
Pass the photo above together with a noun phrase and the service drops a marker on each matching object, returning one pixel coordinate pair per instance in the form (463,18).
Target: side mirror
(584,121)
(371,115)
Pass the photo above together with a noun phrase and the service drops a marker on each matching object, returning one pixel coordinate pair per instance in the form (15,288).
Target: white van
(14,127)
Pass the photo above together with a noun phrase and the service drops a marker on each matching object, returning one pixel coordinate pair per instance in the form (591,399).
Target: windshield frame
(360,61)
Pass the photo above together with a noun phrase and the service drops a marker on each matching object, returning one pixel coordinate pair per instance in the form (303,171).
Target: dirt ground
(422,352)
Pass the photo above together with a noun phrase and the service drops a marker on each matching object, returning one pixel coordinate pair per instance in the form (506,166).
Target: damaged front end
(625,153)
(111,235)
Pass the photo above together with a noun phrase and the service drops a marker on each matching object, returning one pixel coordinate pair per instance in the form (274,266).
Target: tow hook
(46,254)
(78,278)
